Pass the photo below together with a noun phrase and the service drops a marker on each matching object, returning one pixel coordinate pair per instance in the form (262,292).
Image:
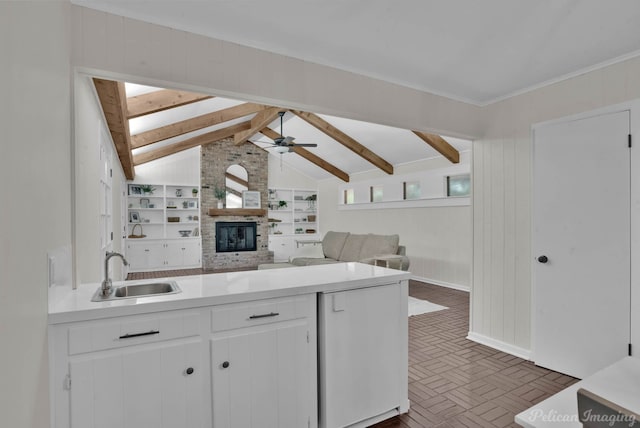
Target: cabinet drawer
(132,330)
(248,314)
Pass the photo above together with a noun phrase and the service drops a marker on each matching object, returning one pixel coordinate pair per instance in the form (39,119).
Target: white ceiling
(469,50)
(395,145)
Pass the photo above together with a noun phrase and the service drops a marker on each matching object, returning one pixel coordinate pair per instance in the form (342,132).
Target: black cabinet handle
(225,364)
(270,314)
(189,370)
(148,333)
(543,259)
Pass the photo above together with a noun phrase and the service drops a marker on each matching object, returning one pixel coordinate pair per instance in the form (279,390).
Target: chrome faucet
(106,284)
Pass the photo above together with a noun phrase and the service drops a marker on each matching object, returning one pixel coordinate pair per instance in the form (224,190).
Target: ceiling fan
(284,144)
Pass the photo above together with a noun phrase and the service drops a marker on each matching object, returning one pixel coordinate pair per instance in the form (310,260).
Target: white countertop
(618,383)
(67,305)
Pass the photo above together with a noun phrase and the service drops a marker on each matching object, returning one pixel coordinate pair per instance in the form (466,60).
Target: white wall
(282,175)
(35,172)
(182,168)
(501,295)
(438,239)
(89,129)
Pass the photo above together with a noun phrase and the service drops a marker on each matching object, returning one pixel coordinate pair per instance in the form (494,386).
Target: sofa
(350,247)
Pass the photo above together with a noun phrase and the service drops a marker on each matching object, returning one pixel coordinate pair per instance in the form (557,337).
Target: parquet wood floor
(454,382)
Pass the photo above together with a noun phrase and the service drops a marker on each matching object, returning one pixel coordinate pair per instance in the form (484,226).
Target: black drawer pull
(148,333)
(270,314)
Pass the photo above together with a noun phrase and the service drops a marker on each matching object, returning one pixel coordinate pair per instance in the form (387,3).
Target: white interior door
(581,243)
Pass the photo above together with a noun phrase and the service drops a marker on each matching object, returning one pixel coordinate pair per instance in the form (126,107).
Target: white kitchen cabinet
(183,253)
(161,369)
(263,364)
(148,255)
(161,254)
(138,387)
(142,371)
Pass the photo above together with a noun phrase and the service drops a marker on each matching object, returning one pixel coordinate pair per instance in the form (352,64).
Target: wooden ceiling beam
(237,179)
(234,192)
(195,123)
(200,140)
(113,100)
(344,139)
(161,100)
(318,161)
(259,121)
(440,145)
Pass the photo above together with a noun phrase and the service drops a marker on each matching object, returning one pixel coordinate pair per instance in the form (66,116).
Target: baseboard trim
(516,351)
(442,283)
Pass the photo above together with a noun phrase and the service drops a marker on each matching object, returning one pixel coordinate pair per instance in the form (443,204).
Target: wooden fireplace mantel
(237,211)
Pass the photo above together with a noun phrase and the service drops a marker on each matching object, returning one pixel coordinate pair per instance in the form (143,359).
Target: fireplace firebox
(235,236)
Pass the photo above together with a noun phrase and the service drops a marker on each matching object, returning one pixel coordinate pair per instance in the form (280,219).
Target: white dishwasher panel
(363,349)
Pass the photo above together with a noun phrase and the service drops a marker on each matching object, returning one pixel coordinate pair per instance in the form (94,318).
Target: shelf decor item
(134,235)
(282,204)
(194,192)
(134,217)
(250,199)
(144,203)
(311,202)
(147,189)
(173,219)
(178,193)
(134,189)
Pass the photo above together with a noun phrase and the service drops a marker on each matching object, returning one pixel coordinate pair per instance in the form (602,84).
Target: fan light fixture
(282,149)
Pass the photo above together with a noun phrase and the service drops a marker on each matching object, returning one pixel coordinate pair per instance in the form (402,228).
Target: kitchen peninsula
(318,346)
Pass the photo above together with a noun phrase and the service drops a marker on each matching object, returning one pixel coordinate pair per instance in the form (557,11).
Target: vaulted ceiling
(148,123)
(468,50)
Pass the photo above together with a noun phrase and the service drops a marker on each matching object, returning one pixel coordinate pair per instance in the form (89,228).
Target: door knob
(225,364)
(543,259)
(189,370)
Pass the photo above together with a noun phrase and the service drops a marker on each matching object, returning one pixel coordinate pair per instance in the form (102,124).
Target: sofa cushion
(375,245)
(333,243)
(352,248)
(311,261)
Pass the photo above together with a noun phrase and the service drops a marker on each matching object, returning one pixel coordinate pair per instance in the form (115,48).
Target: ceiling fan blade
(287,140)
(305,145)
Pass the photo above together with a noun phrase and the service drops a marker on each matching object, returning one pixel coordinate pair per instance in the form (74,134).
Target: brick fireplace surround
(214,161)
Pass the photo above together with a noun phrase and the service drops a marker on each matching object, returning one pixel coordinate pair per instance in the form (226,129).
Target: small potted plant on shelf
(220,193)
(147,189)
(194,192)
(282,204)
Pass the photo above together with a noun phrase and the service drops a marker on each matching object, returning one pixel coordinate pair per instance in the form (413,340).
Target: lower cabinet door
(157,386)
(282,247)
(145,255)
(262,377)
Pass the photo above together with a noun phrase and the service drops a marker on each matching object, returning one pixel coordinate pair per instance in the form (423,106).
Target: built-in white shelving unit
(163,227)
(293,220)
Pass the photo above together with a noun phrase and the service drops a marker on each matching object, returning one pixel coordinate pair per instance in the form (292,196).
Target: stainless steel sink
(138,290)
